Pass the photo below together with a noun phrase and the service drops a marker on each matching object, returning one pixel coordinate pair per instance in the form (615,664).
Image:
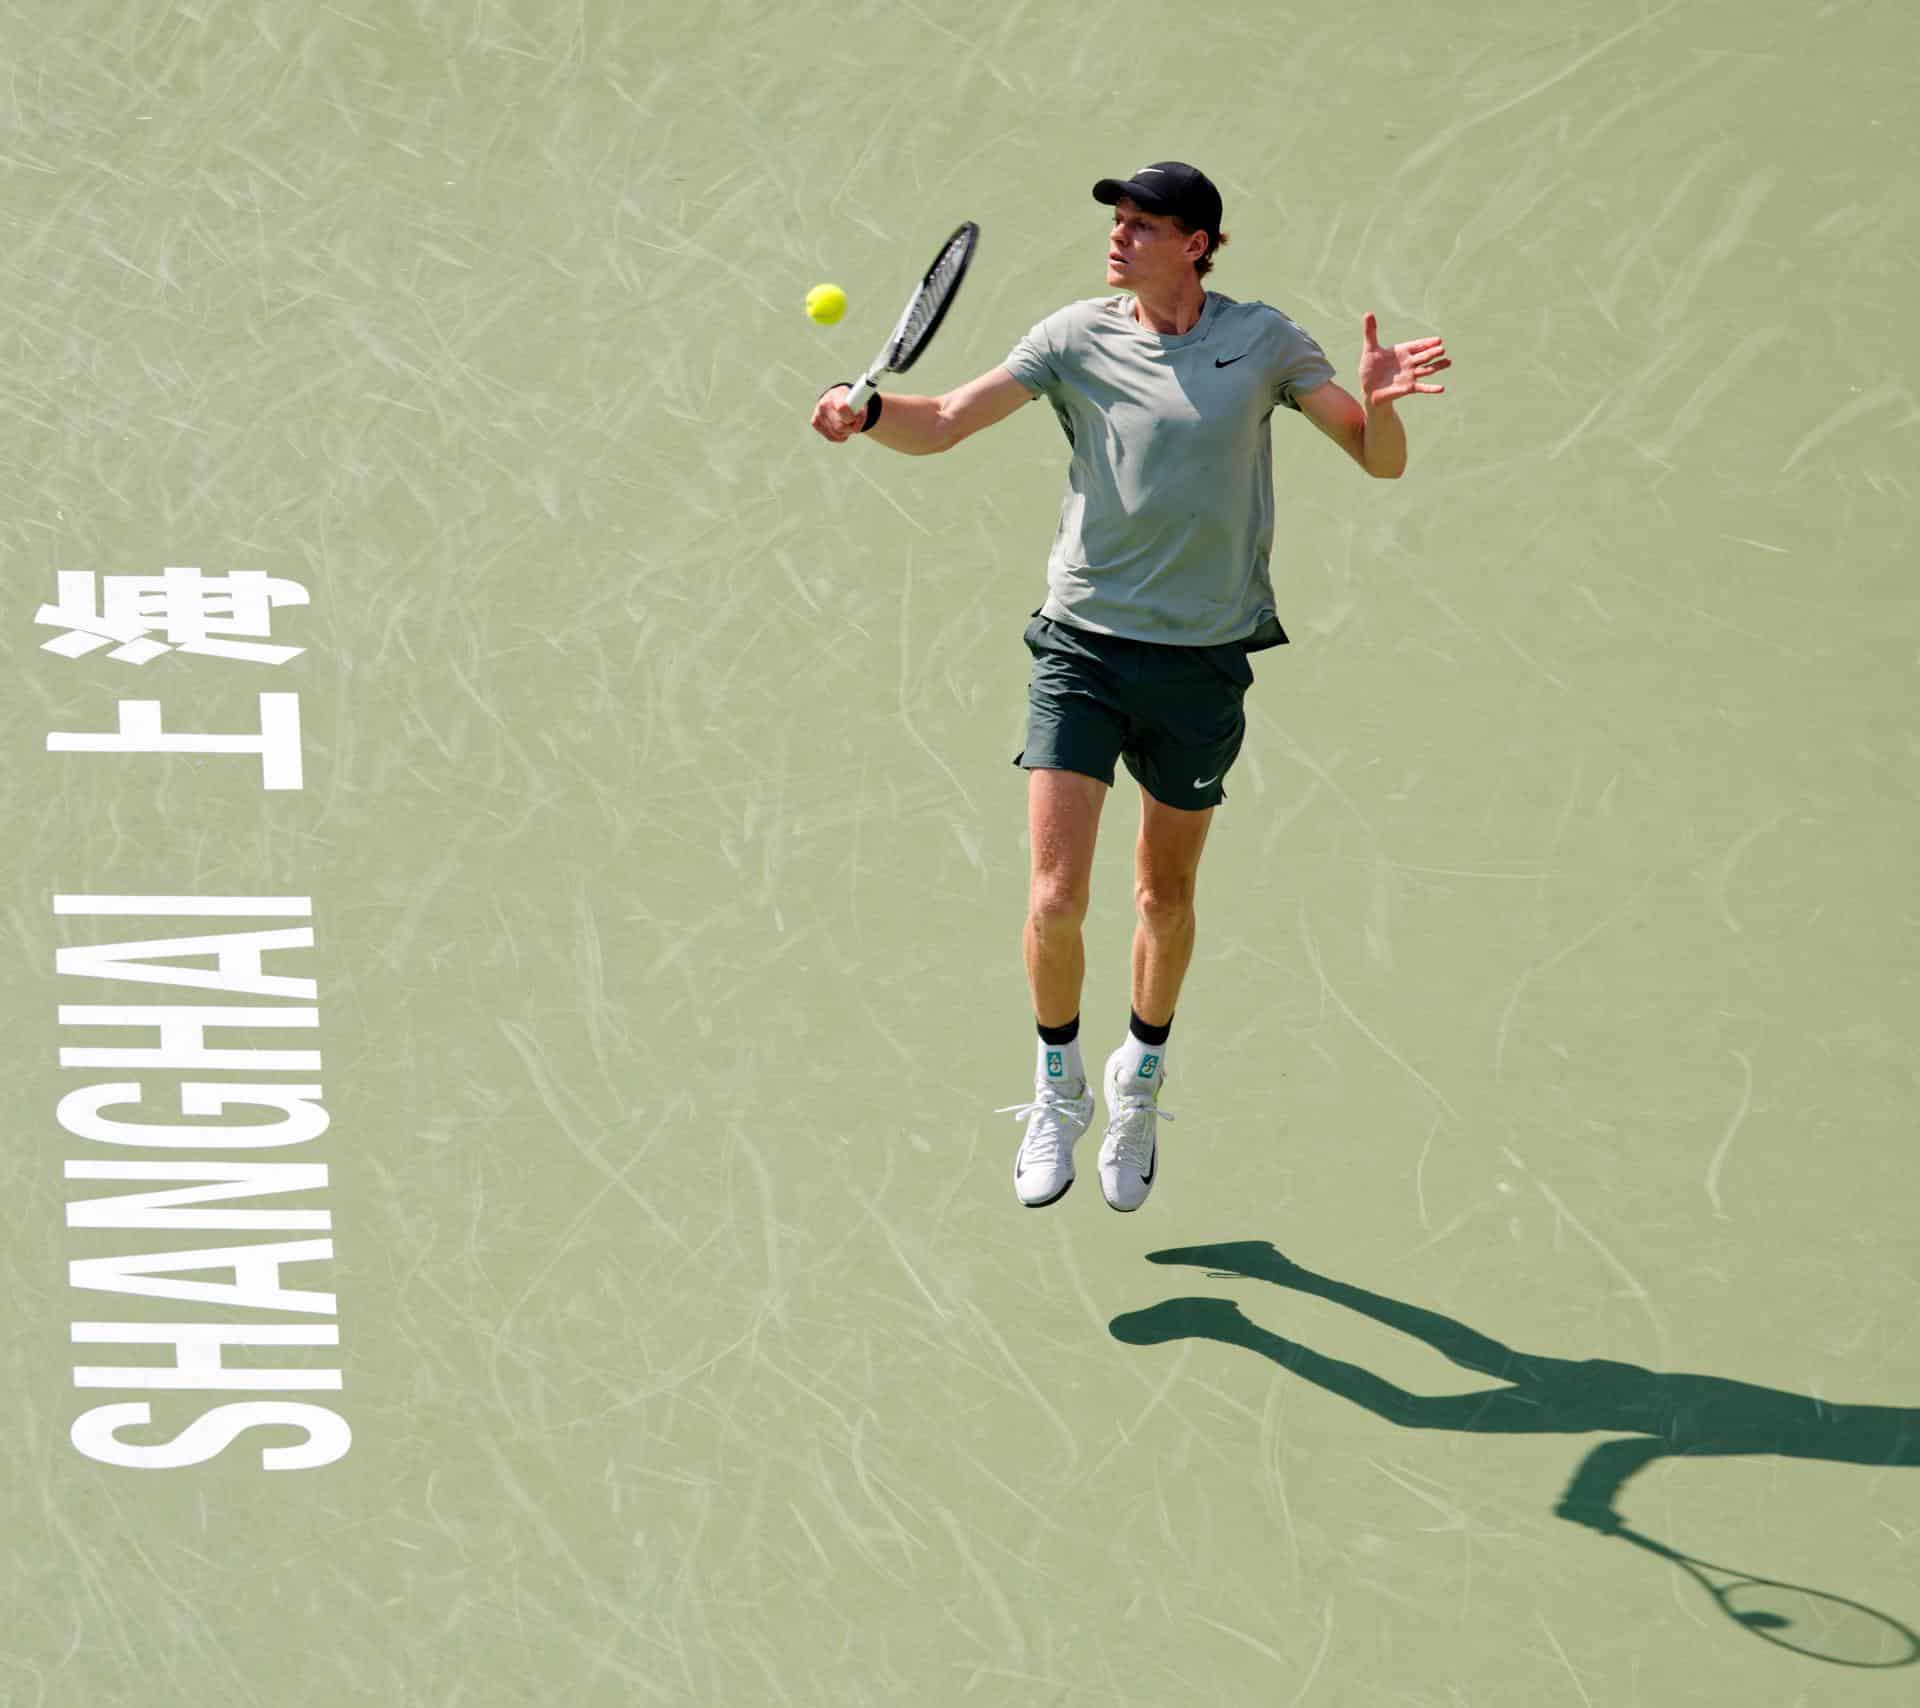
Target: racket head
(931,299)
(1810,1622)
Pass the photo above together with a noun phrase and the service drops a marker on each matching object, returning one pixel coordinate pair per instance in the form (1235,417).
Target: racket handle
(863,389)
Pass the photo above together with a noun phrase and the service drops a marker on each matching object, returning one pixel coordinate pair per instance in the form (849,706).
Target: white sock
(1143,1064)
(1059,1066)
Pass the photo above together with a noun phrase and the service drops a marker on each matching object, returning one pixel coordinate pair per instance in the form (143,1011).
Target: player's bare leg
(1166,868)
(1063,818)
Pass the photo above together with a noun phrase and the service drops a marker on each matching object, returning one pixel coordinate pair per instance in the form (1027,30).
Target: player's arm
(1371,433)
(920,426)
(1373,437)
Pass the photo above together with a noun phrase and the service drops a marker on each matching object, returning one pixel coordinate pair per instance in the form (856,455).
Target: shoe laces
(1130,1128)
(1044,1137)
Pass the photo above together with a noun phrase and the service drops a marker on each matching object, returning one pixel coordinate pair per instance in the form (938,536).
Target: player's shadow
(1663,1414)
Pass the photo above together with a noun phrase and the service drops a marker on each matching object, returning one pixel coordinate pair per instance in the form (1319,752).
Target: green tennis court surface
(652,1320)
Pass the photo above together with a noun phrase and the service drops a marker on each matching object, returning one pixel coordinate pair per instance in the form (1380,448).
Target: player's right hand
(833,420)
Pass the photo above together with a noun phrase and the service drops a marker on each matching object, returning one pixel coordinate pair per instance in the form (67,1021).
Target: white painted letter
(328,1436)
(237,956)
(196,1355)
(79,1113)
(255,1284)
(183,1040)
(228,1180)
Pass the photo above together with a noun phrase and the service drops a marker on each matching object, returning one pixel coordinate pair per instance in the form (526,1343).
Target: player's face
(1146,252)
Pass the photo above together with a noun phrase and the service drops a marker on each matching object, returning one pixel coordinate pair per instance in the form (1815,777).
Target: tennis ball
(826,304)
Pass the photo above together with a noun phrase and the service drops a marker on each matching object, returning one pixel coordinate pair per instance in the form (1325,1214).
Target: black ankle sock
(1060,1034)
(1147,1034)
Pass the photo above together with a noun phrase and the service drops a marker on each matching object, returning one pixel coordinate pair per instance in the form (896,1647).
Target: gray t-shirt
(1167,525)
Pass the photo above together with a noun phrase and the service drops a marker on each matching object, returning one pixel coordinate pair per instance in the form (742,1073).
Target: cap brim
(1110,190)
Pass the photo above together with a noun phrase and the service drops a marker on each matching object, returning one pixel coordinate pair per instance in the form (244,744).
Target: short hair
(1216,241)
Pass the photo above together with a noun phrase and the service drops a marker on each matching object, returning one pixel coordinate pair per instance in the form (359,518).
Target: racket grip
(863,388)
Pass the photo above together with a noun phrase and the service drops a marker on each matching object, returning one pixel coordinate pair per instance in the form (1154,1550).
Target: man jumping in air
(1157,589)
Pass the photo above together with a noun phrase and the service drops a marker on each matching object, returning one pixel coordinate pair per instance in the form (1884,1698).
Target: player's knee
(1165,901)
(1055,901)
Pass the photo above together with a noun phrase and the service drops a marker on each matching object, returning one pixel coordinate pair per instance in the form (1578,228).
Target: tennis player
(1157,590)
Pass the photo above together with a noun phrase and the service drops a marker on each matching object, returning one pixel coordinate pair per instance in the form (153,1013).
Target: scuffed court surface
(1555,987)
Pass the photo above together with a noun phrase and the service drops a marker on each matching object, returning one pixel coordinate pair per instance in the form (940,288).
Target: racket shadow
(1808,1621)
(1660,1414)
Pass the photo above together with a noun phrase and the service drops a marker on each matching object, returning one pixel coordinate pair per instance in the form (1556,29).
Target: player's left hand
(1387,375)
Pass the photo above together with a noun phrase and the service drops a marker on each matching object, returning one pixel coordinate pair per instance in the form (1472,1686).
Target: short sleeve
(1035,360)
(1299,364)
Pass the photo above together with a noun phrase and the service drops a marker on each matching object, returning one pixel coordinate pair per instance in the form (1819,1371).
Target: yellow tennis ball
(826,304)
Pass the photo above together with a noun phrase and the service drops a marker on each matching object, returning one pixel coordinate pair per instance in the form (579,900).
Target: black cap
(1168,187)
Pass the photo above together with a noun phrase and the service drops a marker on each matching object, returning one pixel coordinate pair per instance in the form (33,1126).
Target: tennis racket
(921,318)
(1808,1621)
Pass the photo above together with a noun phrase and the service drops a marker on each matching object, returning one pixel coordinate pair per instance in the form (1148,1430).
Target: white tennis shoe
(1130,1157)
(1043,1167)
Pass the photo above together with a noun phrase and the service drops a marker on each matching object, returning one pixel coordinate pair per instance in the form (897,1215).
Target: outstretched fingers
(1396,371)
(1425,366)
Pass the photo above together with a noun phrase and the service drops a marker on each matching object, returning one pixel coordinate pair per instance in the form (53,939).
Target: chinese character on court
(182,609)
(277,741)
(188,610)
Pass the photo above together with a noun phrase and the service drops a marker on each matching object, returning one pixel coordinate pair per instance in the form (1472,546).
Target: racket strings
(922,313)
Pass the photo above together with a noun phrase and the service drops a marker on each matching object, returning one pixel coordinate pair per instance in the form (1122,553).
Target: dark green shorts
(1172,713)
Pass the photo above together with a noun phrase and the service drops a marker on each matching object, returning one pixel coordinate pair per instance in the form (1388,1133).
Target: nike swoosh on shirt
(1244,354)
